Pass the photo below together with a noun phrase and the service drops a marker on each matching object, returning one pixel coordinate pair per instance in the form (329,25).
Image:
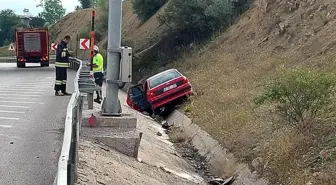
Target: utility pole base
(103,108)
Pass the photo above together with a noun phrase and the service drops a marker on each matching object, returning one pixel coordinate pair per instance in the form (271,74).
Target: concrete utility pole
(111,103)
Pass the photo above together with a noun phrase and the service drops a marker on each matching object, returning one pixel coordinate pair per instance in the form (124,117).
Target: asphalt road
(31,124)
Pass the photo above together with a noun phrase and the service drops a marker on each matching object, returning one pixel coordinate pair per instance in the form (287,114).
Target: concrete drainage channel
(220,162)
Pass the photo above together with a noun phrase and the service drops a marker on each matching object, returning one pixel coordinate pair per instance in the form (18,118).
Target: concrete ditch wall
(221,162)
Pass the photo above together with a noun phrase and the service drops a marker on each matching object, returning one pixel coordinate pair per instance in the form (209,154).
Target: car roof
(163,72)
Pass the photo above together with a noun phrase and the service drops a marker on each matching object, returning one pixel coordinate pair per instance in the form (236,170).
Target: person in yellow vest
(98,64)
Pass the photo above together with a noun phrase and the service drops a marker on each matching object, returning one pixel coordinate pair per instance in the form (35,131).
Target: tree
(8,21)
(86,3)
(145,9)
(37,22)
(201,18)
(52,10)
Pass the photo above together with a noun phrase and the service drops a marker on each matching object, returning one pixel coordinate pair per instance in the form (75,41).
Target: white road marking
(6,126)
(15,106)
(13,137)
(9,111)
(21,92)
(20,89)
(8,118)
(29,85)
(25,85)
(18,98)
(19,95)
(19,102)
(34,81)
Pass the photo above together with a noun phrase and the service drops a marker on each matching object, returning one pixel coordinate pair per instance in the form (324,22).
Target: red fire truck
(32,46)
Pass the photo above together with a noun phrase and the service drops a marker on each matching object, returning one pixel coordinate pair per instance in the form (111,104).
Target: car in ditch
(159,92)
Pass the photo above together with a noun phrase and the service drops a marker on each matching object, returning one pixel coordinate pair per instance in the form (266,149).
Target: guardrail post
(90,100)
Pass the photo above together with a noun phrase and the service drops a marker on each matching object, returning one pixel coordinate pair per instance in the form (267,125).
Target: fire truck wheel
(20,64)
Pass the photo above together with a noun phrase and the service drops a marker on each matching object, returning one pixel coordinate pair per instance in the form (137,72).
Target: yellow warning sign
(11,47)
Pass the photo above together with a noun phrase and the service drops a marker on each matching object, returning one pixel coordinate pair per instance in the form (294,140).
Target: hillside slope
(228,73)
(271,35)
(139,36)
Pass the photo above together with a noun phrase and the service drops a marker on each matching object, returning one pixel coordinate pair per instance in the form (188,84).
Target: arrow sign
(84,44)
(53,46)
(11,47)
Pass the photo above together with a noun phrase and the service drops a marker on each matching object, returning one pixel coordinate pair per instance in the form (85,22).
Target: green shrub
(202,18)
(86,3)
(102,23)
(145,9)
(6,42)
(300,96)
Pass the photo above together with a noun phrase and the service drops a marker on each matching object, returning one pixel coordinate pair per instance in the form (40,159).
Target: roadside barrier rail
(68,160)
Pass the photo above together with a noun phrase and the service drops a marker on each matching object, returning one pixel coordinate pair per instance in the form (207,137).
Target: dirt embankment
(229,71)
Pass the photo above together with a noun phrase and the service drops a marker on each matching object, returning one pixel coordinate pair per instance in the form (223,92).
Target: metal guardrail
(67,164)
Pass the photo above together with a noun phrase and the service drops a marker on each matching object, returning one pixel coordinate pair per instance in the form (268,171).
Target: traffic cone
(92,121)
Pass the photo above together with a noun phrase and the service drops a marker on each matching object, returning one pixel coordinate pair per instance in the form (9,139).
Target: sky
(19,5)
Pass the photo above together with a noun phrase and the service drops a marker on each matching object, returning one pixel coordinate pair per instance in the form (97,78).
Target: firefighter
(62,63)
(98,64)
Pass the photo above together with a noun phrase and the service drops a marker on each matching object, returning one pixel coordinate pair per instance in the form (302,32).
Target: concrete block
(124,121)
(124,141)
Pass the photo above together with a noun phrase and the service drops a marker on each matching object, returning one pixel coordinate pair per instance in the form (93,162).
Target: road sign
(53,46)
(11,47)
(84,44)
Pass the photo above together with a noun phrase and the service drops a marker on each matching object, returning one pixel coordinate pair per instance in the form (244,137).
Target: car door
(136,98)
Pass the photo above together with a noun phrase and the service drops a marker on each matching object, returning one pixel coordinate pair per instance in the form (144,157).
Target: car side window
(135,91)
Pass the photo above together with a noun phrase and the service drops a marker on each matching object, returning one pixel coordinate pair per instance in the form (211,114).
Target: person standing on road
(62,63)
(98,67)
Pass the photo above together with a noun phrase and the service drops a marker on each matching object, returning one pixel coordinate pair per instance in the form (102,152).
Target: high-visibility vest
(99,61)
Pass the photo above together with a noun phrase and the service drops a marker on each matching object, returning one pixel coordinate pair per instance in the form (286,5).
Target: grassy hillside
(229,71)
(139,36)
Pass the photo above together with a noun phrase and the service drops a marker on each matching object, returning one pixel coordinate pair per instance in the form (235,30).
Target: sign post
(77,40)
(92,38)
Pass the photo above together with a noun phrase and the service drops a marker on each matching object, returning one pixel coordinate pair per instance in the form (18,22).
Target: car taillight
(151,95)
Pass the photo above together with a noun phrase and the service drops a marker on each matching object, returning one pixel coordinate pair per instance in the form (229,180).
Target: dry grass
(228,73)
(5,52)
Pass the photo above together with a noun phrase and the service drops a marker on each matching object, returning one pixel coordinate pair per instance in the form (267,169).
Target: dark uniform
(62,63)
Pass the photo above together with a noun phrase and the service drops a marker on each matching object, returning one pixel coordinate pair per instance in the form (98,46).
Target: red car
(159,91)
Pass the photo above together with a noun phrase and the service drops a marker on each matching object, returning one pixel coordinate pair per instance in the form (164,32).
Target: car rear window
(165,77)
